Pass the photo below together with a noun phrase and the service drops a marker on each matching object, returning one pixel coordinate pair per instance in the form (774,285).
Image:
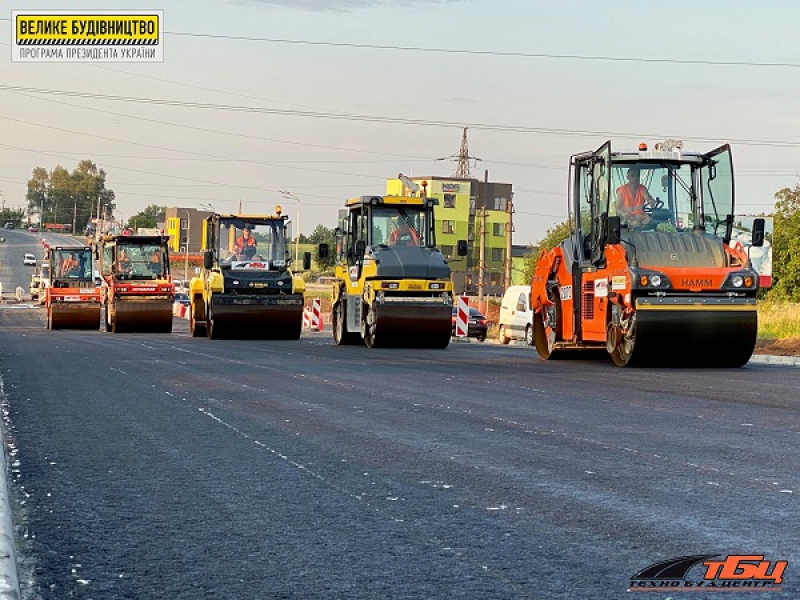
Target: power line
(508,54)
(391,120)
(497,53)
(229,133)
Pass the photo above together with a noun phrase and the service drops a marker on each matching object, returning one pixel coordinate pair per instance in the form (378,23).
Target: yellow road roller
(246,288)
(392,286)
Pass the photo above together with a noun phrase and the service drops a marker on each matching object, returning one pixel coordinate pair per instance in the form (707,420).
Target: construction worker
(631,198)
(403,235)
(246,244)
(123,262)
(155,263)
(70,265)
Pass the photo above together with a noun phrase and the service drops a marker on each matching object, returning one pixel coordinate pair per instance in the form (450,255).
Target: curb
(9,580)
(772,359)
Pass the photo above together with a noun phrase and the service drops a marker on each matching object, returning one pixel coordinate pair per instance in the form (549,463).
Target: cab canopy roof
(71,248)
(135,240)
(392,201)
(241,220)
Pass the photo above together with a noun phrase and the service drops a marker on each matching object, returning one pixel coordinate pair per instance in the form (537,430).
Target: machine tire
(544,337)
(212,332)
(504,339)
(622,354)
(107,321)
(196,328)
(371,339)
(339,326)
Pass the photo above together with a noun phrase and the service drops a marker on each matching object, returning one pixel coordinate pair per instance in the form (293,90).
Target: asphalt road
(161,466)
(18,242)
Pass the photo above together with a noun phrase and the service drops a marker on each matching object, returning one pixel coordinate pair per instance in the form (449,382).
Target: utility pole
(462,158)
(292,196)
(482,233)
(509,231)
(74,216)
(186,254)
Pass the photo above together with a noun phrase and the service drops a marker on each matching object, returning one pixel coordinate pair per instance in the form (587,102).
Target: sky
(255,98)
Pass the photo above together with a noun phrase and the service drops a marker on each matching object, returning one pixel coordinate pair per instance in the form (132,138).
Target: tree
(786,245)
(552,238)
(323,235)
(150,217)
(63,197)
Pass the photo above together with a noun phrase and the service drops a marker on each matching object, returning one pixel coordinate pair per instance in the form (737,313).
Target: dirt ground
(787,347)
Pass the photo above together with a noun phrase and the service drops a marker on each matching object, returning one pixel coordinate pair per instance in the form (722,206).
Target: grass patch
(778,320)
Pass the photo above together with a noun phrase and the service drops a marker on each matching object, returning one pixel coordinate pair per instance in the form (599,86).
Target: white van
(516,316)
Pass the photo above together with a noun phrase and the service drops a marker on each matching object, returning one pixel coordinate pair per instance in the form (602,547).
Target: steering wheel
(648,208)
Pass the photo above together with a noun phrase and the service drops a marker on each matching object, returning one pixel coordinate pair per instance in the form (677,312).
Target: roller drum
(142,315)
(65,315)
(257,317)
(699,334)
(406,325)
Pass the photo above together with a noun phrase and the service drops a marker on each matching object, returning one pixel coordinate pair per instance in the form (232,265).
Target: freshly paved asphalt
(161,466)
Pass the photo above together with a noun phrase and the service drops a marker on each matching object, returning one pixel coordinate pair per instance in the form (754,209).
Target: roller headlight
(655,280)
(737,281)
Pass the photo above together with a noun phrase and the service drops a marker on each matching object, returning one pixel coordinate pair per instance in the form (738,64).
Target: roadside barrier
(312,317)
(180,310)
(462,316)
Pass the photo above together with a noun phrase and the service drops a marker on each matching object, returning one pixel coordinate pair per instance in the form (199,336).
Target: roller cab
(72,299)
(138,291)
(649,274)
(246,289)
(393,286)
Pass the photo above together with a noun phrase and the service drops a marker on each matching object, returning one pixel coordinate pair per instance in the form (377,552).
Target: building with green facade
(459,216)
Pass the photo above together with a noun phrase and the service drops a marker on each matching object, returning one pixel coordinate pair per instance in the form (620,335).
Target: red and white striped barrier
(180,310)
(312,317)
(462,316)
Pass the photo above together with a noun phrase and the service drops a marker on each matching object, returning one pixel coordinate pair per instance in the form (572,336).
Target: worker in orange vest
(403,235)
(246,244)
(70,265)
(631,198)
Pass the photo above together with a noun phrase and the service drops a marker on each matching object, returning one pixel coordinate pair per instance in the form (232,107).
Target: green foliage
(786,245)
(63,197)
(322,235)
(552,238)
(150,217)
(15,215)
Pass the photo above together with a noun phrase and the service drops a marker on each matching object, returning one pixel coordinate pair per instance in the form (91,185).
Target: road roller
(648,273)
(72,299)
(392,285)
(246,288)
(138,291)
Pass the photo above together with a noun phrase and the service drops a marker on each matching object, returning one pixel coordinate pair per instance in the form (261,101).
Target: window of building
(449,200)
(448,251)
(497,254)
(448,226)
(500,203)
(498,229)
(496,278)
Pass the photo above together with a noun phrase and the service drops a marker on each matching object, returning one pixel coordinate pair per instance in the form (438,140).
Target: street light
(291,196)
(186,253)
